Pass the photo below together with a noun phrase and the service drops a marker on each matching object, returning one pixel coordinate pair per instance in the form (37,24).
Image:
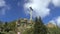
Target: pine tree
(39,27)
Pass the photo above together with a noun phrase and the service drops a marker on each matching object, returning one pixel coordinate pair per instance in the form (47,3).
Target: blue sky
(49,10)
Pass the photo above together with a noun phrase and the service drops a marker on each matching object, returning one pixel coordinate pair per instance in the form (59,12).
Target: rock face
(50,25)
(23,24)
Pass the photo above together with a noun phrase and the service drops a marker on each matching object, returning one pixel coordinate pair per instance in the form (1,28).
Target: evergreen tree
(39,27)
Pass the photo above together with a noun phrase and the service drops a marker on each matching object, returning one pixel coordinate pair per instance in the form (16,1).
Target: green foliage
(54,30)
(7,27)
(28,31)
(36,28)
(39,27)
(12,25)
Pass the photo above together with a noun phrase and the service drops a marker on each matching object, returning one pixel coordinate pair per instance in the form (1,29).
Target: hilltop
(23,24)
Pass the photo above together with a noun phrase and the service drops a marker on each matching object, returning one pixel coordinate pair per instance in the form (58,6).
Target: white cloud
(40,7)
(3,7)
(56,21)
(53,22)
(56,3)
(2,3)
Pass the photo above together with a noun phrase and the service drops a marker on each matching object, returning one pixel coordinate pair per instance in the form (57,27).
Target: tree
(6,28)
(1,26)
(12,25)
(39,27)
